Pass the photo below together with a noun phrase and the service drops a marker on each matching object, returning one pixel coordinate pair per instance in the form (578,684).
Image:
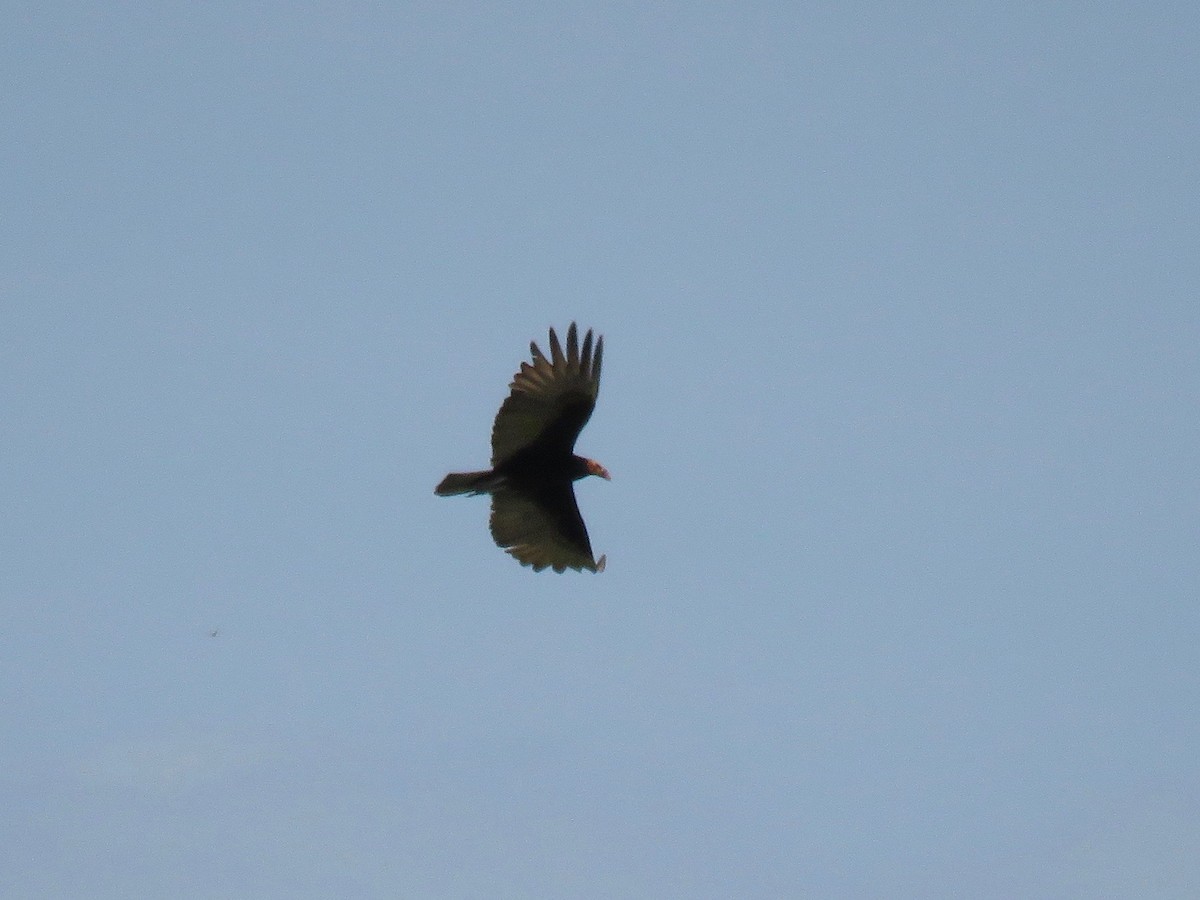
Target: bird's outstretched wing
(551,399)
(543,528)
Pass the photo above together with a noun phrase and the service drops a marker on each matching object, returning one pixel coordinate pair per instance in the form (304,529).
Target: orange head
(594,468)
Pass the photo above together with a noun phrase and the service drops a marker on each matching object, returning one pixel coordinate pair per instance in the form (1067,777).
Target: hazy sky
(901,307)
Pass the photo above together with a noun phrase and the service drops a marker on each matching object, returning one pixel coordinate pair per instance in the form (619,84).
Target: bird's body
(534,513)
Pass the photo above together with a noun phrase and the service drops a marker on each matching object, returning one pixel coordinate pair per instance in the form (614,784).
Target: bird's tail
(466,483)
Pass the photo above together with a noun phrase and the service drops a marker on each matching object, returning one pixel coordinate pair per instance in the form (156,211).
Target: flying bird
(534,514)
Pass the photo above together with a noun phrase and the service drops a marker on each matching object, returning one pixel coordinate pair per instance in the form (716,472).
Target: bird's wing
(543,529)
(551,399)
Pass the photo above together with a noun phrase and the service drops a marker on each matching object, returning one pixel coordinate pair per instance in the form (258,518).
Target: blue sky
(900,403)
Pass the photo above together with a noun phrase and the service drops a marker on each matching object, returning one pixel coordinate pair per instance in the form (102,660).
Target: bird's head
(594,468)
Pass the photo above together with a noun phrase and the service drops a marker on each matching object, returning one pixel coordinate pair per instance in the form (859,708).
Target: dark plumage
(534,514)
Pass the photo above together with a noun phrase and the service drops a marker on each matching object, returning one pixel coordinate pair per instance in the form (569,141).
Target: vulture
(534,514)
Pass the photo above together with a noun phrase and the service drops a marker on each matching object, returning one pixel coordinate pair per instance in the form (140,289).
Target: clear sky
(901,305)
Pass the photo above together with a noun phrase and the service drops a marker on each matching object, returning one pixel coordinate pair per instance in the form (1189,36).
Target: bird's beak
(596,469)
